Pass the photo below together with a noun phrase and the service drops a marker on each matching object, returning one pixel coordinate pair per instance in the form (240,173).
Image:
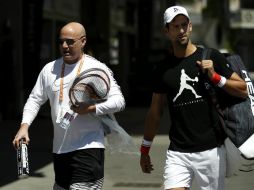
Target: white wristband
(222,82)
(146,143)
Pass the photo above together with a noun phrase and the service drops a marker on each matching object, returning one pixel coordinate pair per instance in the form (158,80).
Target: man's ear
(84,42)
(190,25)
(165,30)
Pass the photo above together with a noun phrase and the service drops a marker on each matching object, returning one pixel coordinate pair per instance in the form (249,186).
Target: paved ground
(122,172)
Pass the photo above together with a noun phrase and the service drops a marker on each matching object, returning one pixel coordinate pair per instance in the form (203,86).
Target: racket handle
(22,160)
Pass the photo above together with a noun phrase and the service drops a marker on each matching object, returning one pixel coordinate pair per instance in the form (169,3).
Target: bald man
(78,151)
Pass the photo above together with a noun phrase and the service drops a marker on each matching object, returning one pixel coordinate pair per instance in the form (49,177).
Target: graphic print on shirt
(185,86)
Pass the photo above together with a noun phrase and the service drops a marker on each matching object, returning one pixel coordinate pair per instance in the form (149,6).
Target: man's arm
(154,115)
(37,97)
(234,85)
(115,101)
(151,125)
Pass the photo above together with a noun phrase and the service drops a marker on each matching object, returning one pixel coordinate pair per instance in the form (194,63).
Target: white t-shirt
(85,131)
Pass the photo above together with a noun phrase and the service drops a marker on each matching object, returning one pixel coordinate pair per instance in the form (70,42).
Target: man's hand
(21,134)
(84,108)
(206,66)
(145,163)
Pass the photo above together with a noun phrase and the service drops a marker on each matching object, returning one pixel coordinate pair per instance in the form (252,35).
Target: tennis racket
(89,87)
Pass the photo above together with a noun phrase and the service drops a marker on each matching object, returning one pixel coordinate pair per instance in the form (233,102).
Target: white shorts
(208,168)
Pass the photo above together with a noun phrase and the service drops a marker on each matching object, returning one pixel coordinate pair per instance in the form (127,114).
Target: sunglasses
(69,42)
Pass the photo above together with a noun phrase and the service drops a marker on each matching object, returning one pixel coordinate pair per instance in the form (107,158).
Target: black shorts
(79,166)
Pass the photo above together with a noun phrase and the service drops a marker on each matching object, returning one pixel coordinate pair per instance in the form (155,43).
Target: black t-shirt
(194,118)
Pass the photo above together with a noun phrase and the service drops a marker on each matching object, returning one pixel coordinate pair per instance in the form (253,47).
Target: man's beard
(182,44)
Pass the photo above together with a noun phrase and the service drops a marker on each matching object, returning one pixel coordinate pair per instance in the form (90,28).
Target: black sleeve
(221,64)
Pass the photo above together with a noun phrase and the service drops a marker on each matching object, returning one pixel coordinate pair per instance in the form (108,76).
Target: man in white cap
(196,148)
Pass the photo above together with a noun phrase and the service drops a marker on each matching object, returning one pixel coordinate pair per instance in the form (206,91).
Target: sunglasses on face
(69,42)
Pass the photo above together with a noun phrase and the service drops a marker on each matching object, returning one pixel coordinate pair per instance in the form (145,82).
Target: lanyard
(62,78)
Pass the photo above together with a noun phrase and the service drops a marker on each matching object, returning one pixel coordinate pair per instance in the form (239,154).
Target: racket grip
(22,160)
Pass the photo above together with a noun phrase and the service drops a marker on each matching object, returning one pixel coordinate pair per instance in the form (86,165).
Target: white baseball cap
(172,12)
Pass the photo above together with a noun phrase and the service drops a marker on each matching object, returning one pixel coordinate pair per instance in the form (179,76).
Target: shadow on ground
(41,141)
(41,134)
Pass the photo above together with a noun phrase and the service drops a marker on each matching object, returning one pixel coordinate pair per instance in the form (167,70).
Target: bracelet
(144,149)
(145,146)
(222,82)
(146,143)
(218,80)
